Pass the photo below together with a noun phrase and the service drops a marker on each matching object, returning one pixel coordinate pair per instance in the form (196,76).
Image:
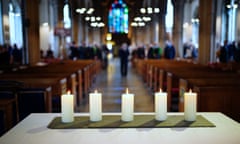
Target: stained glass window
(118,17)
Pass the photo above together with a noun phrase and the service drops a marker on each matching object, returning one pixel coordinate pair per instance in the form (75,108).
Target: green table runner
(140,121)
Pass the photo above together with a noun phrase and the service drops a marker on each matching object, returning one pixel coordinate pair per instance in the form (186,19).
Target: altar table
(33,130)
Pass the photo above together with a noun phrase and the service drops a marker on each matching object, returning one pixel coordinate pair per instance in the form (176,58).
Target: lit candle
(127,106)
(160,105)
(67,107)
(95,103)
(190,105)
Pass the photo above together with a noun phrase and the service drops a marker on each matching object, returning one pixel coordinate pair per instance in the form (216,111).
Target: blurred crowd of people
(229,52)
(95,51)
(10,55)
(190,51)
(154,51)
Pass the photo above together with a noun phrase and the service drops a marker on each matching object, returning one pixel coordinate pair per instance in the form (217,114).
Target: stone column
(31,26)
(75,19)
(206,30)
(178,26)
(162,29)
(147,35)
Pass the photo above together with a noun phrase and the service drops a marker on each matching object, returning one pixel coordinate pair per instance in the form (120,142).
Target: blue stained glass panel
(118,17)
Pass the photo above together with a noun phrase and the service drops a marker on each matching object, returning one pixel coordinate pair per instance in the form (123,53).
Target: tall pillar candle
(127,106)
(67,107)
(190,105)
(160,105)
(95,103)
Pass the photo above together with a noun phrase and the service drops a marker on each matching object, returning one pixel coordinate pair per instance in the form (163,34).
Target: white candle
(190,105)
(95,103)
(127,106)
(160,105)
(67,107)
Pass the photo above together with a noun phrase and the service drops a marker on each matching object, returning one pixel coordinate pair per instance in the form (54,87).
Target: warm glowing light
(137,19)
(87,18)
(160,90)
(149,10)
(109,36)
(143,10)
(68,92)
(185,25)
(90,11)
(126,90)
(93,19)
(190,90)
(98,18)
(101,24)
(45,24)
(141,24)
(156,10)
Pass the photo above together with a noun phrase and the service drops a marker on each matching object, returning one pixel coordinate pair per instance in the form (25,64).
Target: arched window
(231,14)
(15,25)
(118,17)
(67,20)
(66,16)
(169,17)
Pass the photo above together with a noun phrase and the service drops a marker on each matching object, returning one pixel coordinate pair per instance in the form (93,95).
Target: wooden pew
(173,77)
(9,103)
(158,76)
(67,69)
(186,84)
(6,106)
(34,100)
(152,68)
(55,75)
(174,70)
(223,99)
(58,87)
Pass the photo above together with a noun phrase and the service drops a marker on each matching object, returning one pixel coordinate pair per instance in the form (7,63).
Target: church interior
(55,48)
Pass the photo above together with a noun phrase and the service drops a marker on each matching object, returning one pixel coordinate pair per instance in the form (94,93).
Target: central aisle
(111,84)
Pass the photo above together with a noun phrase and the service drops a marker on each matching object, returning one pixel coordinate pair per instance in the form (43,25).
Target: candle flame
(95,91)
(190,90)
(160,90)
(126,90)
(68,92)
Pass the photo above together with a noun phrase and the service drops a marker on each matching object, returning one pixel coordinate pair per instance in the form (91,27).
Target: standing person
(17,55)
(169,50)
(157,51)
(74,51)
(223,56)
(123,54)
(150,53)
(236,54)
(49,53)
(141,52)
(105,52)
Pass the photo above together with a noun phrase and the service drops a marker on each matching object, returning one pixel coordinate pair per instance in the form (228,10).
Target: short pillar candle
(160,105)
(95,103)
(127,106)
(67,107)
(190,105)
